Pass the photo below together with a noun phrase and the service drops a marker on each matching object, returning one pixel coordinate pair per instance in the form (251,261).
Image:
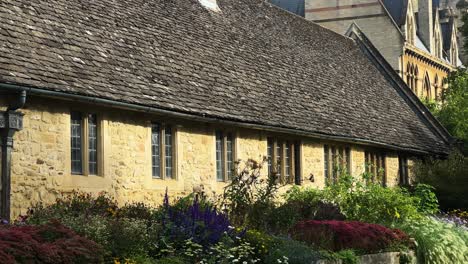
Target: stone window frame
(85,140)
(162,150)
(280,144)
(224,153)
(375,163)
(334,155)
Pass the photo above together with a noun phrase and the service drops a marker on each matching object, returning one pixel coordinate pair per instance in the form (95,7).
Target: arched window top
(410,25)
(427,86)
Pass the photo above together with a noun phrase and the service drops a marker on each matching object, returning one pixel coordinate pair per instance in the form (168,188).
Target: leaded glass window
(168,153)
(337,161)
(76,143)
(84,136)
(162,151)
(156,150)
(283,160)
(92,145)
(224,156)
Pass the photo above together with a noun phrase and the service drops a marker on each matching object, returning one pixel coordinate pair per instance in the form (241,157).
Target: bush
(358,201)
(448,177)
(438,242)
(428,203)
(249,198)
(128,238)
(340,235)
(49,243)
(302,204)
(285,250)
(204,226)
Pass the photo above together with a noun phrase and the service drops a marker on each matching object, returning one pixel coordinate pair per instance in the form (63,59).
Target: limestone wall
(41,170)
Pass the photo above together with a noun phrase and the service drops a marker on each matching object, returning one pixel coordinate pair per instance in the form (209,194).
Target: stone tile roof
(251,62)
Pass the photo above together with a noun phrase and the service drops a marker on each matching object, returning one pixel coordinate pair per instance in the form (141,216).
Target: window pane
(270,155)
(334,164)
(366,162)
(348,160)
(93,143)
(156,150)
(279,156)
(326,154)
(219,156)
(229,155)
(287,160)
(76,146)
(297,163)
(168,152)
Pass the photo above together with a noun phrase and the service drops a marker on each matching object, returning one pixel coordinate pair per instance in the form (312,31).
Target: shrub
(355,200)
(372,203)
(340,235)
(438,242)
(75,204)
(428,203)
(285,250)
(302,204)
(49,243)
(128,238)
(448,177)
(204,226)
(249,198)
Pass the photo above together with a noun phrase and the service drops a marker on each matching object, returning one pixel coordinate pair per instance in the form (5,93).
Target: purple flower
(203,224)
(4,222)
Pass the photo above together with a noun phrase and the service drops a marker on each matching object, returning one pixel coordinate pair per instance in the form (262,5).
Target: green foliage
(453,112)
(248,198)
(428,203)
(448,177)
(346,256)
(128,237)
(370,202)
(290,251)
(437,242)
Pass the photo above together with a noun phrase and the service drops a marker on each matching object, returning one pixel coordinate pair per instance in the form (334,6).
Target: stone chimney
(426,23)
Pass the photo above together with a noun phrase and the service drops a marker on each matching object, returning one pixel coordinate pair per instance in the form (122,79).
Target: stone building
(133,97)
(417,37)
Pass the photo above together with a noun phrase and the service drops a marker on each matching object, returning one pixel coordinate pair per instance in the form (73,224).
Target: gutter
(204,118)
